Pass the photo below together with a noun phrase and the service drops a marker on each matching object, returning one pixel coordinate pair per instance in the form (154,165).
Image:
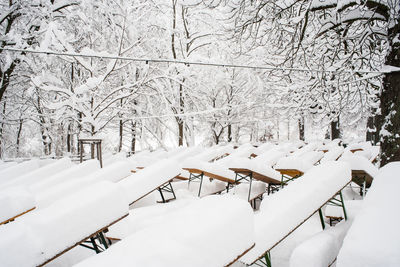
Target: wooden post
(95,144)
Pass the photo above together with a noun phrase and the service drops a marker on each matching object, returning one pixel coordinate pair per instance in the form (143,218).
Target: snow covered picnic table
(41,236)
(247,170)
(283,212)
(363,171)
(374,237)
(198,234)
(154,177)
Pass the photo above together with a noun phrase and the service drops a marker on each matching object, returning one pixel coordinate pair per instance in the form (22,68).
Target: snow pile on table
(15,171)
(213,153)
(14,202)
(271,157)
(16,198)
(359,146)
(6,165)
(40,174)
(305,149)
(263,148)
(150,178)
(373,239)
(41,235)
(219,167)
(80,170)
(333,154)
(321,249)
(255,165)
(291,146)
(301,163)
(284,211)
(140,218)
(139,161)
(359,163)
(371,153)
(212,231)
(113,173)
(113,159)
(244,150)
(208,187)
(242,190)
(188,152)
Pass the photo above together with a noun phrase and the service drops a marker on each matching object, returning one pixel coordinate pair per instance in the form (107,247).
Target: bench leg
(94,244)
(321,217)
(193,177)
(251,180)
(166,188)
(265,261)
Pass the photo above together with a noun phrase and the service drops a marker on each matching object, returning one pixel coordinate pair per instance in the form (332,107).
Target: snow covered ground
(74,201)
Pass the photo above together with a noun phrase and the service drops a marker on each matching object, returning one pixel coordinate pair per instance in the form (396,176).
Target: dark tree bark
(229,133)
(371,135)
(301,129)
(19,136)
(217,135)
(69,138)
(388,123)
(121,131)
(179,119)
(335,129)
(133,140)
(2,127)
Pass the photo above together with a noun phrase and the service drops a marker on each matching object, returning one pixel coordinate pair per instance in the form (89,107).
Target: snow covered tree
(338,36)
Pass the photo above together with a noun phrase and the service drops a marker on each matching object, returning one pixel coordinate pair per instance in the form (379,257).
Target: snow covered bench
(296,165)
(154,177)
(362,170)
(321,249)
(199,173)
(43,235)
(9,174)
(37,175)
(333,153)
(283,212)
(262,149)
(214,153)
(217,170)
(14,203)
(112,172)
(24,197)
(202,233)
(15,197)
(247,170)
(373,238)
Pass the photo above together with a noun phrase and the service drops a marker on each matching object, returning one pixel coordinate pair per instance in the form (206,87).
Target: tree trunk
(69,139)
(229,133)
(133,140)
(121,132)
(388,123)
(301,129)
(335,129)
(180,132)
(2,127)
(371,130)
(19,136)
